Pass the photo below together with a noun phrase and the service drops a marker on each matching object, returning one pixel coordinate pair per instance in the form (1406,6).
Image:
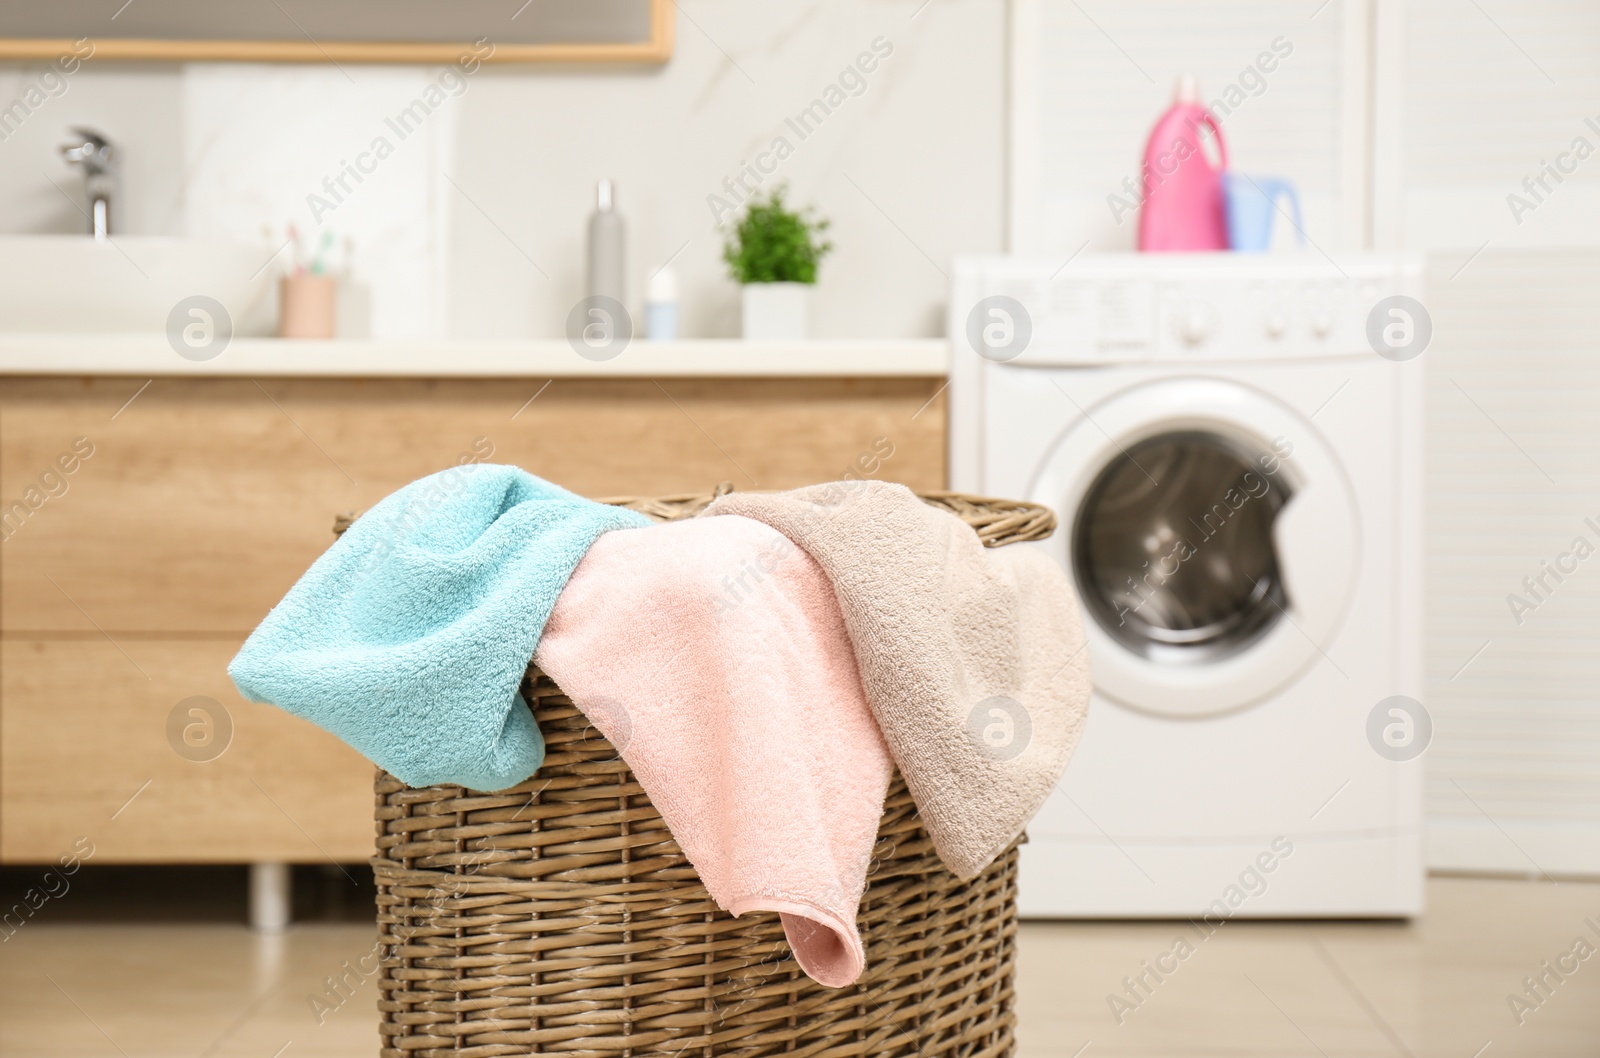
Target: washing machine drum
(1173,548)
(1213,538)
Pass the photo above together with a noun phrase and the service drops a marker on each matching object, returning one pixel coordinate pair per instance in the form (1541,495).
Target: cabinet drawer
(85,751)
(204,499)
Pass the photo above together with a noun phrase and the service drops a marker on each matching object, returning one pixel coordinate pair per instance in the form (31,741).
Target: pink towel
(713,654)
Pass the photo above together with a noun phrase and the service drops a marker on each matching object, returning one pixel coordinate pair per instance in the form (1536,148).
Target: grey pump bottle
(608,270)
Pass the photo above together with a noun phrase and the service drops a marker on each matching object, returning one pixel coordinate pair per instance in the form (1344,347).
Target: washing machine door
(1213,538)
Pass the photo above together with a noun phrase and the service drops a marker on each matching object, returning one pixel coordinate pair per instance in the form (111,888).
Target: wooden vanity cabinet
(148,528)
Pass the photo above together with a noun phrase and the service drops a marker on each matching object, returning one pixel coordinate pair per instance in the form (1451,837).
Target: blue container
(1252,206)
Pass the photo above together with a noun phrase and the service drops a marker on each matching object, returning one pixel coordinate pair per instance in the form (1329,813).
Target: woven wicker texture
(560,917)
(997,522)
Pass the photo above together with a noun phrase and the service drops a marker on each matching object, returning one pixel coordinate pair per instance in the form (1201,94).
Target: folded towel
(409,637)
(973,660)
(712,653)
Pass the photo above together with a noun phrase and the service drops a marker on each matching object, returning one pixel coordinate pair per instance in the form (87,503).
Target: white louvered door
(1472,102)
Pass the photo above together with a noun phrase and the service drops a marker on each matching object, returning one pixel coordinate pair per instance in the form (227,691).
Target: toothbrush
(299,249)
(317,263)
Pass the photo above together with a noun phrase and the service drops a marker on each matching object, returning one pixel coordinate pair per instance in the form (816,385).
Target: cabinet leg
(269,897)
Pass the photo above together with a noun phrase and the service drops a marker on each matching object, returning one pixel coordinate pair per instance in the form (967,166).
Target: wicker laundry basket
(560,917)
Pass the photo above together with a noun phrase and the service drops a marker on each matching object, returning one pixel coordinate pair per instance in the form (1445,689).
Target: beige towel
(972,659)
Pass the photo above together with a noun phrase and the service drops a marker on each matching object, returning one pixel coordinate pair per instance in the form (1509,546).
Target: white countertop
(151,355)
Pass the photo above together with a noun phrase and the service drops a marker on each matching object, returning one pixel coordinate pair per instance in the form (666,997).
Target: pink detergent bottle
(1183,206)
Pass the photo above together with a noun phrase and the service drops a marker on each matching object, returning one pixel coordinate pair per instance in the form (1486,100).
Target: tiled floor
(1435,989)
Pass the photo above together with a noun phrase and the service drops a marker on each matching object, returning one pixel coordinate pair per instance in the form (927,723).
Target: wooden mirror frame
(656,49)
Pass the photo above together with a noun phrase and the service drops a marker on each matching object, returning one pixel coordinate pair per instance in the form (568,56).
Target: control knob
(1194,324)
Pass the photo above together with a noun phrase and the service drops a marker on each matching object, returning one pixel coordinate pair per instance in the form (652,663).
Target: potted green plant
(773,254)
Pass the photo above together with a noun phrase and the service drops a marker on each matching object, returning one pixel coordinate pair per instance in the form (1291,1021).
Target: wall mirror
(574,31)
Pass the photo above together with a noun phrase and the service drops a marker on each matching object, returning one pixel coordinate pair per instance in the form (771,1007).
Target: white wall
(911,171)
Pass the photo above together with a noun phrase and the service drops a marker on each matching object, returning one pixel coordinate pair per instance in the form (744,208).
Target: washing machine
(1233,447)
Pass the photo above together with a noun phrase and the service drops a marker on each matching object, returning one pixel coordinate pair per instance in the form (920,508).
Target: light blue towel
(409,637)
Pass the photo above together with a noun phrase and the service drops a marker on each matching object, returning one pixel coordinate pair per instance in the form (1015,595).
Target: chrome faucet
(92,151)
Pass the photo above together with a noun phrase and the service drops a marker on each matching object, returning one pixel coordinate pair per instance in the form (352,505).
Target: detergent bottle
(1183,203)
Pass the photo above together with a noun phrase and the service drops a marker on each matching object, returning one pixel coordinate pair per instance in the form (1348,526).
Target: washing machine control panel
(1133,308)
(1204,317)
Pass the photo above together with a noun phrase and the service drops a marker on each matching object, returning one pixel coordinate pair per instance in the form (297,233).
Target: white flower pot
(776,312)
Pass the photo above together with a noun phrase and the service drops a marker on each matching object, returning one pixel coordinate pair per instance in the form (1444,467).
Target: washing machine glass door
(1173,547)
(1212,535)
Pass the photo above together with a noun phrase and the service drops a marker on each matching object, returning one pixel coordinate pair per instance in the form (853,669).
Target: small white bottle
(661,307)
(608,265)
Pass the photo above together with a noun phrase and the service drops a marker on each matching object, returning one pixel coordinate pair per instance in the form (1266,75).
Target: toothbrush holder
(307,306)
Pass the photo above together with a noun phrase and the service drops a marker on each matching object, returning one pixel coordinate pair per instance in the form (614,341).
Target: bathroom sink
(72,284)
